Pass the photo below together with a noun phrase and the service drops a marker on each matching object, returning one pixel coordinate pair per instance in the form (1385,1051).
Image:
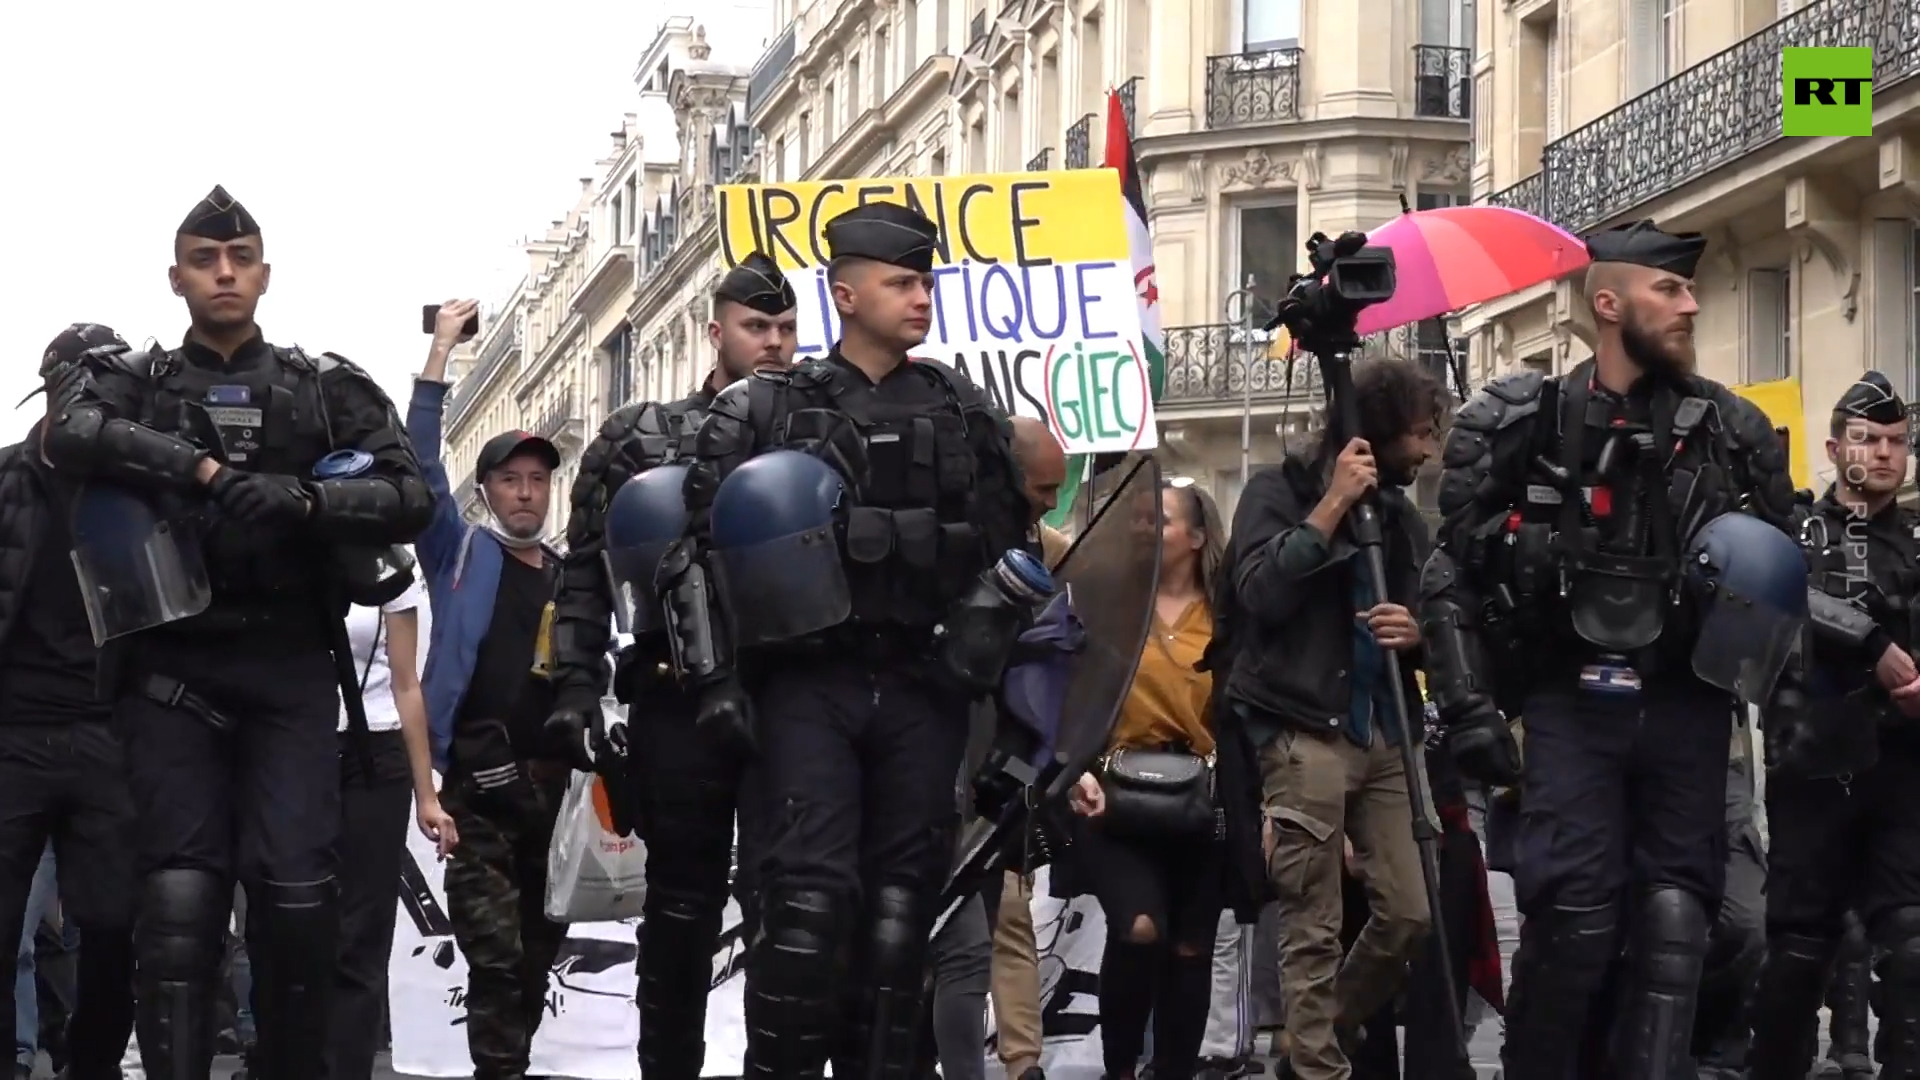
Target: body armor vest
(269,418)
(909,537)
(1612,486)
(1873,565)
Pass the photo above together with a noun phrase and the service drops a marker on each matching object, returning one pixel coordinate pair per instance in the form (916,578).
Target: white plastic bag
(593,873)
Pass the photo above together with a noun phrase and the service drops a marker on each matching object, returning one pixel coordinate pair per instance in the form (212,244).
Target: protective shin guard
(886,1028)
(1654,1039)
(676,952)
(1785,1002)
(1897,934)
(792,984)
(296,927)
(178,943)
(1562,963)
(1847,1003)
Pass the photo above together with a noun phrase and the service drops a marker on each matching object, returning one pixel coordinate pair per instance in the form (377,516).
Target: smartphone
(431,314)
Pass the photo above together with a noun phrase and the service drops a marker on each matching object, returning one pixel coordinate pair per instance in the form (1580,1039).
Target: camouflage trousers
(496,883)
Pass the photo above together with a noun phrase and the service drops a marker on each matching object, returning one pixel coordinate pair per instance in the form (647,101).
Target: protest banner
(1035,296)
(591,1026)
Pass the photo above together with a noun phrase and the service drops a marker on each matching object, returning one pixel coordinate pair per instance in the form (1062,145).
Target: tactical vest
(1873,565)
(1613,484)
(270,418)
(909,533)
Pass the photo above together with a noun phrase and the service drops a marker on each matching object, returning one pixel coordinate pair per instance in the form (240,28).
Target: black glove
(631,674)
(566,735)
(726,717)
(259,498)
(1484,749)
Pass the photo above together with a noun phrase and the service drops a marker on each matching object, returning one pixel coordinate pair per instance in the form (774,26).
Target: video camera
(1346,276)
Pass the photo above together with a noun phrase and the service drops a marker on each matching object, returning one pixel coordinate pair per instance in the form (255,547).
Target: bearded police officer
(627,506)
(842,512)
(1596,574)
(1843,783)
(276,463)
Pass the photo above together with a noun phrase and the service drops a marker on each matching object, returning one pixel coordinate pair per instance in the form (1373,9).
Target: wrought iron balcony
(1041,161)
(1210,364)
(1128,92)
(768,72)
(1442,82)
(1716,112)
(1529,195)
(977,29)
(559,423)
(1253,88)
(1079,140)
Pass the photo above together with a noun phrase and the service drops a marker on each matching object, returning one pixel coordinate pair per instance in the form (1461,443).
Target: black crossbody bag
(1165,794)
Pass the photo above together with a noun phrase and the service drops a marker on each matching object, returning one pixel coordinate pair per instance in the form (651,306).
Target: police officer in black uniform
(1843,782)
(687,784)
(229,714)
(859,705)
(1571,505)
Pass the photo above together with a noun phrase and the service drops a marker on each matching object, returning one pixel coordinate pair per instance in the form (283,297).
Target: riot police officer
(1572,505)
(1843,779)
(686,785)
(844,513)
(272,463)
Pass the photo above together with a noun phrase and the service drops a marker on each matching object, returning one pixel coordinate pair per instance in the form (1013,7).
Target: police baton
(1336,373)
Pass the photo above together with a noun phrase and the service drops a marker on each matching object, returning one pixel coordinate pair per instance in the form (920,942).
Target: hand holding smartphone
(430,318)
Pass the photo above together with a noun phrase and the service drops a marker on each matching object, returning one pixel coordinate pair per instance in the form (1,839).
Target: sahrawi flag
(1146,286)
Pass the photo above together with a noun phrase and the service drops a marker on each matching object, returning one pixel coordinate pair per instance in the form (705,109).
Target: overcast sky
(394,152)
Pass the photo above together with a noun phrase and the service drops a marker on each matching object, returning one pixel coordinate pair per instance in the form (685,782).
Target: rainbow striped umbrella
(1451,257)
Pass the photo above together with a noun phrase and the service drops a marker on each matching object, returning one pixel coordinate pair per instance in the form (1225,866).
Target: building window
(1263,25)
(1672,60)
(1556,124)
(1446,22)
(882,59)
(806,128)
(853,89)
(1769,325)
(619,349)
(1268,248)
(939,165)
(618,217)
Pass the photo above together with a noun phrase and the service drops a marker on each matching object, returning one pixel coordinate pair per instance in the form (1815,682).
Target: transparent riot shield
(137,569)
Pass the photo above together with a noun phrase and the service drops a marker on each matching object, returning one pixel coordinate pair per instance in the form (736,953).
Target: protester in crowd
(61,763)
(375,792)
(1316,646)
(487,699)
(1228,1043)
(1162,867)
(1014,973)
(26,995)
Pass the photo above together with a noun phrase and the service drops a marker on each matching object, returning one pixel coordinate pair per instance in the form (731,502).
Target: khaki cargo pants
(1317,788)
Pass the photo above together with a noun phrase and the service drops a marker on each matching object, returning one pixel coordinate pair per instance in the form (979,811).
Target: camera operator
(1309,677)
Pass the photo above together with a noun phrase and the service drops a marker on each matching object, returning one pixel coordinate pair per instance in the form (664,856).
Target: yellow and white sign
(1034,290)
(1780,400)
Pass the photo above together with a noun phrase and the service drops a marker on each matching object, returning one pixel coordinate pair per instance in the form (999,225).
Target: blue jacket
(461,563)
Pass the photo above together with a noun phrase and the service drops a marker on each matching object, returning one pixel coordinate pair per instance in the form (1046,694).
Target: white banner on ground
(591,1027)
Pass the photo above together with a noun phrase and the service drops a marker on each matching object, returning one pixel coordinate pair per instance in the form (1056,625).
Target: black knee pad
(1584,942)
(1670,940)
(802,934)
(299,920)
(898,939)
(181,934)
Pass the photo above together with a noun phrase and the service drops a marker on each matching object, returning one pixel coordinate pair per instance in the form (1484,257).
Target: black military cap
(510,444)
(1643,244)
(884,232)
(1872,399)
(68,346)
(757,283)
(219,217)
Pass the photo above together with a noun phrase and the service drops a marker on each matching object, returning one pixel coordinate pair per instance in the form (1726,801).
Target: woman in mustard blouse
(1162,895)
